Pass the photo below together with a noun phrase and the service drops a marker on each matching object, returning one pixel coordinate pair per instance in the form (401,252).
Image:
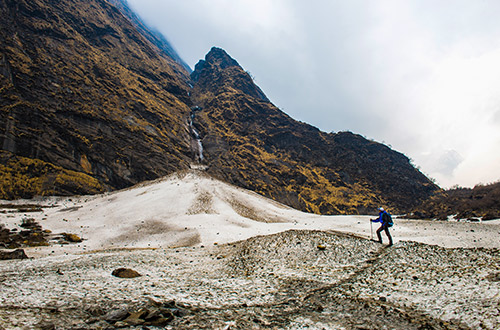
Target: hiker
(385,219)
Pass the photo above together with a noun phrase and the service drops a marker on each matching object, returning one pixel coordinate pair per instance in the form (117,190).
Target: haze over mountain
(149,33)
(92,101)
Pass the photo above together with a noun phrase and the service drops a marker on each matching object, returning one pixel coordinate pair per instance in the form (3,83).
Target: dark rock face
(86,100)
(251,143)
(482,201)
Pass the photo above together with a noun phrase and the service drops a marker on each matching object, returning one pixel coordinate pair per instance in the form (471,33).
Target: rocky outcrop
(10,255)
(31,234)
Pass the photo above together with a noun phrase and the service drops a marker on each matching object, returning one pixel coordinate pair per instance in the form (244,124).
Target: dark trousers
(385,228)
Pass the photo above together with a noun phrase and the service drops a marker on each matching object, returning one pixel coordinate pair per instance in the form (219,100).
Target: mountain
(87,102)
(92,101)
(251,143)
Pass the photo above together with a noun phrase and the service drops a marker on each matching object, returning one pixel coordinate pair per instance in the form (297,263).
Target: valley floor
(213,256)
(279,281)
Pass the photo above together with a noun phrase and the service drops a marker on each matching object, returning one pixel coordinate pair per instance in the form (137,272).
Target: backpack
(387,219)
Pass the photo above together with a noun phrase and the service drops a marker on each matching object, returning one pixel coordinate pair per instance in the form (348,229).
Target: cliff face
(251,143)
(86,100)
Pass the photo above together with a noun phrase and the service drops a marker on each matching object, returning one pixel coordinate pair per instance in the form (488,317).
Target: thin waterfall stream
(196,144)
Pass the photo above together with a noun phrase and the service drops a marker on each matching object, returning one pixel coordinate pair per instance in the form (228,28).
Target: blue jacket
(380,217)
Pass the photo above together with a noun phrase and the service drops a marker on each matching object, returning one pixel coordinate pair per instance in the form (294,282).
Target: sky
(421,76)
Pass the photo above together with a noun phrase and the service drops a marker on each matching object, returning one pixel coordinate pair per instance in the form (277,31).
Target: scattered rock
(125,273)
(95,310)
(158,316)
(32,235)
(137,318)
(121,325)
(45,325)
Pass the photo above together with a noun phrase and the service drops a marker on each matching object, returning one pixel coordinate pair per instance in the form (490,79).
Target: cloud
(419,75)
(442,163)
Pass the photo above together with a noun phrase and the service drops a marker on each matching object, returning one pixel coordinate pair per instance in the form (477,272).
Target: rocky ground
(298,279)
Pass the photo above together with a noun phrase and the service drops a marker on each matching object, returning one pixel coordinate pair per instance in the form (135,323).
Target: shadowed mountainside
(87,103)
(251,143)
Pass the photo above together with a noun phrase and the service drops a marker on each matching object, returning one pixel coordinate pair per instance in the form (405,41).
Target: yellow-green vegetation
(93,95)
(72,238)
(22,177)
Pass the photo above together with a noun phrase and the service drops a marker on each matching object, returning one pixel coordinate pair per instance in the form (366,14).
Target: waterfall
(196,138)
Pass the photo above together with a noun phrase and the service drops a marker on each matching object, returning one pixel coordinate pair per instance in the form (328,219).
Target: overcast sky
(422,76)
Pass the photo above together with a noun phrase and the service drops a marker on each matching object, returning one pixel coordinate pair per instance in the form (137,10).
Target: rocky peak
(219,72)
(219,57)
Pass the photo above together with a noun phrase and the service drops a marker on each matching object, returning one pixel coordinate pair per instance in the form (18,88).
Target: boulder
(125,273)
(116,315)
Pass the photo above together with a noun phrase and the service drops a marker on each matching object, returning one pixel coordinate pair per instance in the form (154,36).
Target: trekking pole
(371,230)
